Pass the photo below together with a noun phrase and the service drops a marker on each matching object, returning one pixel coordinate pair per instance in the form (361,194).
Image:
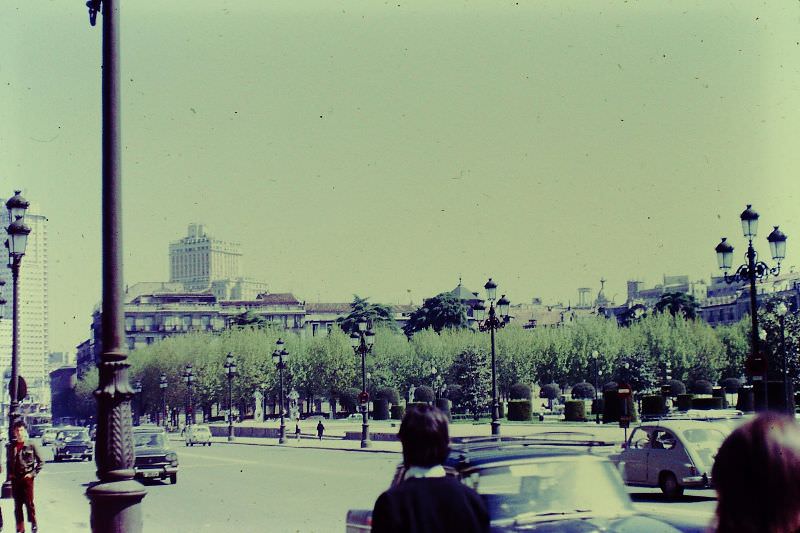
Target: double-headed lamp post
(16,243)
(751,271)
(162,384)
(230,372)
(491,324)
(278,356)
(188,378)
(362,342)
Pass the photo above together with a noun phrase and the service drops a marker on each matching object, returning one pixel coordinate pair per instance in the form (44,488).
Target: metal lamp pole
(278,356)
(162,384)
(362,342)
(230,372)
(751,271)
(16,243)
(596,356)
(137,410)
(188,378)
(492,323)
(781,311)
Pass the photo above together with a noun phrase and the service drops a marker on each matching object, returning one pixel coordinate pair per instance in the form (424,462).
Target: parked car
(542,484)
(49,436)
(154,458)
(38,429)
(197,434)
(73,443)
(671,454)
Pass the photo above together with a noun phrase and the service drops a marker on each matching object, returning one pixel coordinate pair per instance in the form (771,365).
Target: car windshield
(704,444)
(202,429)
(148,440)
(75,434)
(549,489)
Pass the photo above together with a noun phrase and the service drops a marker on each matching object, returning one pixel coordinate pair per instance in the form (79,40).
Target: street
(263,488)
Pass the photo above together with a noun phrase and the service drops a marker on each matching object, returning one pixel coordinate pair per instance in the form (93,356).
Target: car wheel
(173,478)
(669,485)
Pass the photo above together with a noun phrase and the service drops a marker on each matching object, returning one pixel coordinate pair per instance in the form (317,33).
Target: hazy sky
(376,148)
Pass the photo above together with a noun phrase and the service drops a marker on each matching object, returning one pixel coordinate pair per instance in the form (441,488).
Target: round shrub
(745,400)
(612,407)
(685,402)
(702,386)
(707,403)
(611,386)
(348,399)
(444,405)
(719,392)
(424,394)
(583,391)
(389,394)
(501,409)
(519,410)
(412,405)
(455,394)
(380,409)
(653,405)
(519,391)
(397,412)
(575,411)
(550,391)
(597,406)
(731,385)
(676,387)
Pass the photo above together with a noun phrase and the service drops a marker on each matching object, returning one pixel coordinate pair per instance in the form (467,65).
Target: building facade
(198,259)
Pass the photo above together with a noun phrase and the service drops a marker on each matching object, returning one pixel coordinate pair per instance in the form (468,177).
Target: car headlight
(172,456)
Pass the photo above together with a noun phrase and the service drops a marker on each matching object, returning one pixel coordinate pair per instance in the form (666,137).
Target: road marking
(223,459)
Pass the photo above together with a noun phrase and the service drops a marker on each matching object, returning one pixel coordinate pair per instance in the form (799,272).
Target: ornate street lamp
(16,243)
(491,324)
(162,384)
(751,271)
(278,356)
(230,372)
(188,378)
(137,390)
(362,340)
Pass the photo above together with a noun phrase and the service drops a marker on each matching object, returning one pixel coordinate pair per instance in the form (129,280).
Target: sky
(385,149)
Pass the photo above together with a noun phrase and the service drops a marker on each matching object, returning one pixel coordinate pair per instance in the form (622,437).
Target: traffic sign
(363,397)
(624,421)
(756,366)
(624,390)
(22,388)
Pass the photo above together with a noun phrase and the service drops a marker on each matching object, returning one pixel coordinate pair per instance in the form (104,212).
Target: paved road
(234,487)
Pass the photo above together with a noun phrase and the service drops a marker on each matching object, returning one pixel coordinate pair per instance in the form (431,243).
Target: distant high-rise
(197,260)
(34,346)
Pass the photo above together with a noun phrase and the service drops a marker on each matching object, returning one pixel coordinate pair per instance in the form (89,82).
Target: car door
(635,456)
(666,454)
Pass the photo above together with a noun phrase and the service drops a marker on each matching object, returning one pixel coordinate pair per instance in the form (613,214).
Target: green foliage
(678,303)
(374,314)
(85,405)
(551,391)
(397,412)
(520,391)
(575,411)
(380,409)
(348,399)
(442,311)
(583,391)
(731,385)
(684,401)
(424,394)
(472,373)
(707,403)
(389,394)
(653,404)
(519,410)
(676,387)
(249,319)
(701,386)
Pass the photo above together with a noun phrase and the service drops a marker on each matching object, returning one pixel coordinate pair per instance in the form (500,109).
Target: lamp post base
(230,434)
(282,434)
(495,427)
(115,506)
(365,442)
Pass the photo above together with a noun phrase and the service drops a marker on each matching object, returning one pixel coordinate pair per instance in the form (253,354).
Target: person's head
(20,430)
(757,477)
(425,438)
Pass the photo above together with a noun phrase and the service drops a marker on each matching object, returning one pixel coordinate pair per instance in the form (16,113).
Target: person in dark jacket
(26,463)
(320,429)
(427,499)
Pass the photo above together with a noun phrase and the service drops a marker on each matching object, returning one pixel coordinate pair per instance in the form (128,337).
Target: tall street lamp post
(751,271)
(278,356)
(16,243)
(492,323)
(781,311)
(230,372)
(188,378)
(595,357)
(137,410)
(362,342)
(162,384)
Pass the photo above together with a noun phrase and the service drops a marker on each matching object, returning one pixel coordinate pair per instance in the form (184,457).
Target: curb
(275,444)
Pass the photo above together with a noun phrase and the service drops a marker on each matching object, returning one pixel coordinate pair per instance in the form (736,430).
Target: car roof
(69,428)
(148,429)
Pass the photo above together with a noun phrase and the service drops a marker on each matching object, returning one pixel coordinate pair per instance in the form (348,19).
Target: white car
(197,434)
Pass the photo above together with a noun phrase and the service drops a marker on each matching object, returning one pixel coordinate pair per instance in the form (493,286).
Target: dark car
(73,443)
(534,484)
(154,458)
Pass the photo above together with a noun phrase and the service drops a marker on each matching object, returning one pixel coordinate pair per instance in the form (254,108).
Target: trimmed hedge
(611,386)
(719,392)
(583,391)
(380,409)
(501,409)
(520,391)
(575,411)
(707,403)
(731,385)
(424,394)
(389,394)
(520,410)
(685,402)
(397,412)
(612,407)
(597,406)
(653,405)
(745,400)
(411,405)
(551,391)
(444,405)
(702,386)
(676,387)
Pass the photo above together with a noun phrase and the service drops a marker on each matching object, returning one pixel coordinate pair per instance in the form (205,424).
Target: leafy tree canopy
(678,303)
(374,314)
(442,311)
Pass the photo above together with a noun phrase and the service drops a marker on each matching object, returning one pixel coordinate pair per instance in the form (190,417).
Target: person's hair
(757,477)
(425,438)
(19,424)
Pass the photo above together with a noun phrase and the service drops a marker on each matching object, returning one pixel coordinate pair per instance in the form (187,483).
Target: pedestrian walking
(26,463)
(756,475)
(297,429)
(426,499)
(320,430)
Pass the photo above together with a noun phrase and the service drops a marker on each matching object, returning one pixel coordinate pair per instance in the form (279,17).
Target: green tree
(249,319)
(678,303)
(442,311)
(472,373)
(374,313)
